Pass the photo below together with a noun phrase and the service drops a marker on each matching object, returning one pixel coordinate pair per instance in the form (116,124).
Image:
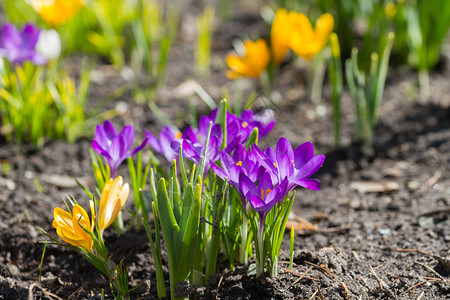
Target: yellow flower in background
(280,34)
(56,12)
(68,227)
(114,196)
(253,63)
(307,41)
(390,10)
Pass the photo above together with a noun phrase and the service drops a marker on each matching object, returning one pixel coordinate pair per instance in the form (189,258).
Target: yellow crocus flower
(305,41)
(114,196)
(56,12)
(68,227)
(253,63)
(280,34)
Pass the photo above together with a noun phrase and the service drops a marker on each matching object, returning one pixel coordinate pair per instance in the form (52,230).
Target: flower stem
(243,257)
(260,250)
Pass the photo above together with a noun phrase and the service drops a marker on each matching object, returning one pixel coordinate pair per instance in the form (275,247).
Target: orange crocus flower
(253,63)
(68,226)
(305,41)
(280,34)
(114,196)
(56,12)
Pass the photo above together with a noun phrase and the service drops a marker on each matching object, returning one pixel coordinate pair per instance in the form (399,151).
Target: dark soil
(372,203)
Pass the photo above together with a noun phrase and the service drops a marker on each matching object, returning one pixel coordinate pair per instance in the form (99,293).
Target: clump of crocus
(56,12)
(251,63)
(115,147)
(264,180)
(307,41)
(75,228)
(19,47)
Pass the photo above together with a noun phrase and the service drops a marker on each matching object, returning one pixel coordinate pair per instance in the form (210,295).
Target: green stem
(243,257)
(259,256)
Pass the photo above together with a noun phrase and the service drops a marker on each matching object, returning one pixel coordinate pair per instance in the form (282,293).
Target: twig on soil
(433,179)
(325,270)
(302,276)
(298,274)
(381,283)
(320,294)
(416,285)
(220,282)
(432,271)
(436,212)
(44,291)
(313,295)
(421,295)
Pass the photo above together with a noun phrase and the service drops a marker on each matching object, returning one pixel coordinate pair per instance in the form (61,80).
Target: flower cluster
(264,178)
(76,229)
(192,140)
(290,30)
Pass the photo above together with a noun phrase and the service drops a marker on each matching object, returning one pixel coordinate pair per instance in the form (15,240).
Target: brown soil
(372,202)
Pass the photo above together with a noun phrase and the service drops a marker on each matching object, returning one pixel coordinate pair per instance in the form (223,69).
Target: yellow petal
(253,63)
(113,198)
(323,28)
(103,203)
(56,12)
(61,218)
(69,230)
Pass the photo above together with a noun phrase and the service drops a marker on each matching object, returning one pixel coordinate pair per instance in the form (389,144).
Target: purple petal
(302,154)
(285,166)
(190,134)
(219,172)
(283,146)
(117,149)
(97,148)
(153,141)
(128,136)
(140,147)
(247,186)
(308,183)
(109,130)
(101,137)
(265,183)
(29,37)
(10,38)
(311,166)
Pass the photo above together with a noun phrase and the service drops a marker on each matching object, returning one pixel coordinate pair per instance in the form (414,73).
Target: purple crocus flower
(194,143)
(19,47)
(294,165)
(115,147)
(264,196)
(242,161)
(239,128)
(168,143)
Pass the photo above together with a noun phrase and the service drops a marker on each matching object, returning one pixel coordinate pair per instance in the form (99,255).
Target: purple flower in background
(264,121)
(264,196)
(168,143)
(19,47)
(294,165)
(115,147)
(194,142)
